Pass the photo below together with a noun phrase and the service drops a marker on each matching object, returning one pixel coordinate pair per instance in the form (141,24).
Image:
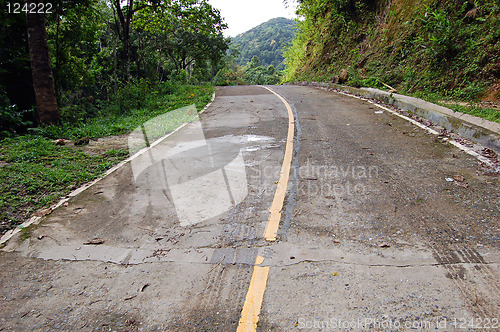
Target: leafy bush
(438,41)
(129,97)
(14,121)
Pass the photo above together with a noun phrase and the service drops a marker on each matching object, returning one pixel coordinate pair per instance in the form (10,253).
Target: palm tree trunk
(43,79)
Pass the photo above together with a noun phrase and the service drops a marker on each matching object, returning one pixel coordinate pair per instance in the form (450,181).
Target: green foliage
(266,41)
(438,36)
(117,119)
(12,119)
(230,76)
(93,66)
(230,73)
(451,48)
(186,34)
(257,74)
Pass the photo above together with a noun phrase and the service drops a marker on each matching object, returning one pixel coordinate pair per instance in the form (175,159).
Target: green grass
(485,113)
(114,120)
(35,173)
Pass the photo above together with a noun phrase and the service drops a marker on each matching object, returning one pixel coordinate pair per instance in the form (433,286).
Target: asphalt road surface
(371,234)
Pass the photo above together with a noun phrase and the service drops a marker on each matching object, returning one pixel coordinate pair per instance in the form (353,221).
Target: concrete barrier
(484,132)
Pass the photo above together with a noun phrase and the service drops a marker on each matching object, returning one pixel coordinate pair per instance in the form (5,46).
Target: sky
(242,15)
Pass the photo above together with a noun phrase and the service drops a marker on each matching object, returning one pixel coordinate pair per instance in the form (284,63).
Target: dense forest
(266,41)
(100,52)
(447,48)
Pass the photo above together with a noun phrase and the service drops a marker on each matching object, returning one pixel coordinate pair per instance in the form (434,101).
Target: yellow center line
(279,196)
(255,294)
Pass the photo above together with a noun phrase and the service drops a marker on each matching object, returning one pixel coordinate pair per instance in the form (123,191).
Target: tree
(257,74)
(254,63)
(188,33)
(124,21)
(43,80)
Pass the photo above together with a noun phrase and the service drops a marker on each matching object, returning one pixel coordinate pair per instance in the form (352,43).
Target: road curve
(373,232)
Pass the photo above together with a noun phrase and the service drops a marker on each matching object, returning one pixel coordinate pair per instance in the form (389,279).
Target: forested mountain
(447,47)
(265,41)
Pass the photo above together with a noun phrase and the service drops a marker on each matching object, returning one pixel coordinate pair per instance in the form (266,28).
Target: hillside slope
(266,41)
(450,48)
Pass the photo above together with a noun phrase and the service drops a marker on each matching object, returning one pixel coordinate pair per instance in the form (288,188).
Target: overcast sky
(242,15)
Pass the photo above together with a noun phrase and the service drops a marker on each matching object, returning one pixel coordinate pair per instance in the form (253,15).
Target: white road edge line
(35,219)
(430,130)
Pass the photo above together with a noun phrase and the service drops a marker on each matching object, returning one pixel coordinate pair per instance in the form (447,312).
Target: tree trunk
(43,79)
(125,19)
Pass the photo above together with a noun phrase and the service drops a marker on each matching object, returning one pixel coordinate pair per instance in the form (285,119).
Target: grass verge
(34,172)
(466,106)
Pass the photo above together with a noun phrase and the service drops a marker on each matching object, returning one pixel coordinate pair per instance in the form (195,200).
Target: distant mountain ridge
(266,41)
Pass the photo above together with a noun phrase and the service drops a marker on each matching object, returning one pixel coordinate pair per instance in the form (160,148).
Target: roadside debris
(61,141)
(383,245)
(449,179)
(94,241)
(340,79)
(44,212)
(82,141)
(488,153)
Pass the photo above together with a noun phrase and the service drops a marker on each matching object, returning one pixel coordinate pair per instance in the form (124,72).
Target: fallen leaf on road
(95,241)
(82,141)
(60,141)
(489,153)
(459,178)
(44,212)
(334,274)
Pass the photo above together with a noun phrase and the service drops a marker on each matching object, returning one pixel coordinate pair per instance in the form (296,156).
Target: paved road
(372,235)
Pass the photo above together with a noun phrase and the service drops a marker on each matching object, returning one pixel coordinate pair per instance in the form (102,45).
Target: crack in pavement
(280,254)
